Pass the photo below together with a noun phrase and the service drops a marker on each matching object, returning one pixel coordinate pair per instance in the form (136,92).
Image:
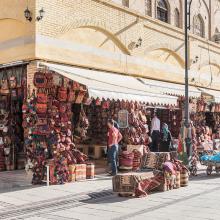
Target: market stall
(12,92)
(66,112)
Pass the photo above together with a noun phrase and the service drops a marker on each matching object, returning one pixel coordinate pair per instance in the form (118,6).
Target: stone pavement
(95,200)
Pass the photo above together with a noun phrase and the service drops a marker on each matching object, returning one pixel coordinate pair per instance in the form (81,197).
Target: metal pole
(187,116)
(186,67)
(48,175)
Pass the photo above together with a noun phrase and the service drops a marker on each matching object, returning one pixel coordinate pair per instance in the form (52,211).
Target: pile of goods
(201,134)
(132,158)
(98,114)
(172,117)
(100,111)
(211,160)
(48,128)
(163,173)
(136,133)
(12,89)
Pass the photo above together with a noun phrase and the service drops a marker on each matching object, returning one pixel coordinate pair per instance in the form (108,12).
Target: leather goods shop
(57,115)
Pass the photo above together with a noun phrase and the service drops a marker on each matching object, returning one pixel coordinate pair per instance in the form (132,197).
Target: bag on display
(40,80)
(80,96)
(4,87)
(62,94)
(71,96)
(64,118)
(41,108)
(13,82)
(14,94)
(41,121)
(42,98)
(5,129)
(49,77)
(76,86)
(42,130)
(62,107)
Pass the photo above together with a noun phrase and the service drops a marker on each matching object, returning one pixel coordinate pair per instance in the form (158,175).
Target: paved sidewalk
(95,200)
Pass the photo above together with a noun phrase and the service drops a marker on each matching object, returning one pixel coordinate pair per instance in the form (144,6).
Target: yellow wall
(17,36)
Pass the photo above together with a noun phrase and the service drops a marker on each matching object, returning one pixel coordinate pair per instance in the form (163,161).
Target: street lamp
(188,139)
(27,15)
(41,14)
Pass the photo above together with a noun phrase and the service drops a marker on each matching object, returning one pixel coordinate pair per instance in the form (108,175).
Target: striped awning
(170,88)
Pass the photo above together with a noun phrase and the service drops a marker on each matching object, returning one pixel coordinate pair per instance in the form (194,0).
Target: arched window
(177,17)
(148,7)
(125,3)
(198,26)
(162,10)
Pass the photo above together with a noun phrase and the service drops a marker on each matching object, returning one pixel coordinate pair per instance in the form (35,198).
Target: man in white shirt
(155,133)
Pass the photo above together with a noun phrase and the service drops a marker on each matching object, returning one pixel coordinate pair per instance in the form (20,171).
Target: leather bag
(12,82)
(62,94)
(41,108)
(40,80)
(42,98)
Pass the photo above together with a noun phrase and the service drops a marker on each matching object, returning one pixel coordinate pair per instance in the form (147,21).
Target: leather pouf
(90,171)
(184,178)
(126,161)
(80,172)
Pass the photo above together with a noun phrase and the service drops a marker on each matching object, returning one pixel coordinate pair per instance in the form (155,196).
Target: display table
(135,183)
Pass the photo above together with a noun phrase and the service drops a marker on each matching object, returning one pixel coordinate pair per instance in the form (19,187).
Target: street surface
(95,200)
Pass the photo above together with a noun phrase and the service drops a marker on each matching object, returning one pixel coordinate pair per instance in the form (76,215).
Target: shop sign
(123,118)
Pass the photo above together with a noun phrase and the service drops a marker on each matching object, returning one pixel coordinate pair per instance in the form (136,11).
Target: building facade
(135,37)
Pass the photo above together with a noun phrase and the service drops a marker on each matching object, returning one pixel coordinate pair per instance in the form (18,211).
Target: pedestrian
(166,139)
(116,125)
(114,137)
(155,133)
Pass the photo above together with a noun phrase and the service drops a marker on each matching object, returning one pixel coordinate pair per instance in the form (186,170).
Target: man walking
(114,137)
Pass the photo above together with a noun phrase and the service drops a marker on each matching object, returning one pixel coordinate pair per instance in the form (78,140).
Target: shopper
(166,139)
(116,125)
(114,137)
(155,133)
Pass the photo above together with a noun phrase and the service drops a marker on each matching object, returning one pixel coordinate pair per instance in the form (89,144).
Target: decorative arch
(165,53)
(96,27)
(212,63)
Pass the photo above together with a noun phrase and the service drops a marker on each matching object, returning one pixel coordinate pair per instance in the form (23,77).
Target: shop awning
(170,88)
(209,92)
(112,86)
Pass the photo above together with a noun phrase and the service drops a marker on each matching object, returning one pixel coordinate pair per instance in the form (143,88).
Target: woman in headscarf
(166,140)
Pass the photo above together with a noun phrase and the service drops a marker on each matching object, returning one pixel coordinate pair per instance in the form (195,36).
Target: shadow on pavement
(204,177)
(11,181)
